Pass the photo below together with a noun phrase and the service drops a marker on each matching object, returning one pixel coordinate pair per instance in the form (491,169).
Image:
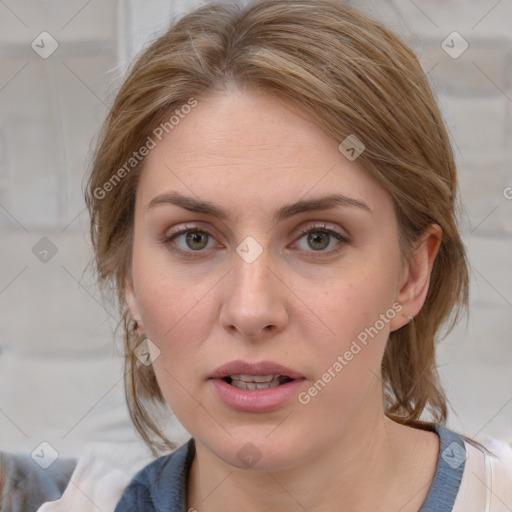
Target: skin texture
(296,304)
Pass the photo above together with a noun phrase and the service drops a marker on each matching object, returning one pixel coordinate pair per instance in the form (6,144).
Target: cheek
(356,314)
(176,310)
(356,301)
(170,312)
(175,316)
(165,296)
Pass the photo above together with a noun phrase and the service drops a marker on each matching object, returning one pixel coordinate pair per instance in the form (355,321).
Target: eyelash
(167,240)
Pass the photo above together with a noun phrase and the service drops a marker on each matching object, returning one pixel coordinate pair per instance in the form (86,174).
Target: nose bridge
(253,301)
(250,280)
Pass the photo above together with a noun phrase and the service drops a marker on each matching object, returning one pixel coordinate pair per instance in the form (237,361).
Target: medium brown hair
(354,77)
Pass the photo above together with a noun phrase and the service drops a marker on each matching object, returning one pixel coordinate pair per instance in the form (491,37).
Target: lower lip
(259,400)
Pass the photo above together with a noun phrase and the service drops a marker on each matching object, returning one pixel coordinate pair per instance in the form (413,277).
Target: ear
(415,278)
(131,301)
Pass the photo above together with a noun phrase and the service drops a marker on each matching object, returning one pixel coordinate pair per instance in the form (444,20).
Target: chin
(258,451)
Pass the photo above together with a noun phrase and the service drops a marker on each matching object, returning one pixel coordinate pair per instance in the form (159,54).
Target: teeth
(254,378)
(252,382)
(241,384)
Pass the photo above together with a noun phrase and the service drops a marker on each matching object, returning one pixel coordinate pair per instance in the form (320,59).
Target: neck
(368,462)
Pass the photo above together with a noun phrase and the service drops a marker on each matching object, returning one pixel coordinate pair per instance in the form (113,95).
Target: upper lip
(255,368)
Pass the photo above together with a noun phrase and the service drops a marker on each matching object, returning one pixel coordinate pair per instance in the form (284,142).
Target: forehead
(250,149)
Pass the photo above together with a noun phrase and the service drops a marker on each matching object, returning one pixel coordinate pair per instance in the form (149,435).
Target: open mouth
(254,382)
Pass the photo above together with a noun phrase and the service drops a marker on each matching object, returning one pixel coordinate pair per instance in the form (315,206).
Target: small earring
(409,317)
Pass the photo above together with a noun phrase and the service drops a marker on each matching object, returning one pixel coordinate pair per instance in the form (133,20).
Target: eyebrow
(205,207)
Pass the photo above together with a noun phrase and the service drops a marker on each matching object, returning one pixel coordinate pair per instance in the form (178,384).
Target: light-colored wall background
(60,370)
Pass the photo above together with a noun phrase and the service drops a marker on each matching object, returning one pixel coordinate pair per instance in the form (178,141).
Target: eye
(187,241)
(320,237)
(191,241)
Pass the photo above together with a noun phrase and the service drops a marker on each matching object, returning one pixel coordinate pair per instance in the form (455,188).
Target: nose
(255,299)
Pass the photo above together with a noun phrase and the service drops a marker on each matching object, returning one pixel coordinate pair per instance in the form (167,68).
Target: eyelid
(179,229)
(324,226)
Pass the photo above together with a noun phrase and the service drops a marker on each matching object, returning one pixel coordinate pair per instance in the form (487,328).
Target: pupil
(195,237)
(313,239)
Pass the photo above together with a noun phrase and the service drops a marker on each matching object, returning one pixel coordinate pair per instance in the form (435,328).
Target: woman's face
(251,287)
